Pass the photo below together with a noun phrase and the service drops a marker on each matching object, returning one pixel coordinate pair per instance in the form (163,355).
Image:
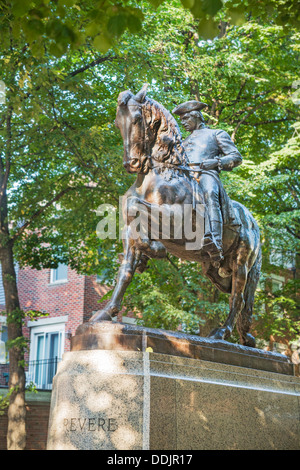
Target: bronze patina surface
(124,337)
(173,174)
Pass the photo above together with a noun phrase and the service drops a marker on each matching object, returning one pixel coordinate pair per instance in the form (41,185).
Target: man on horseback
(209,152)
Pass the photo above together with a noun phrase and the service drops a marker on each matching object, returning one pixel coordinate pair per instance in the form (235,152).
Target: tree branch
(5,172)
(271,121)
(98,61)
(41,210)
(249,114)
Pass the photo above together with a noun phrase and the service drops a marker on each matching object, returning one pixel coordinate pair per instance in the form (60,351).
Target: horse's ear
(141,95)
(124,97)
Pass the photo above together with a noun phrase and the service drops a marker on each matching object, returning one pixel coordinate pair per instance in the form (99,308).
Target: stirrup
(216,259)
(209,245)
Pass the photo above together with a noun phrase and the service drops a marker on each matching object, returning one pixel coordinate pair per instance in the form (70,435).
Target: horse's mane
(168,144)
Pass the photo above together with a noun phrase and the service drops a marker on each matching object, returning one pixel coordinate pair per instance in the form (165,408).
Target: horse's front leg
(239,279)
(126,272)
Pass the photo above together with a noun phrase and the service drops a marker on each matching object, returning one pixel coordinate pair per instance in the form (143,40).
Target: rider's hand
(210,164)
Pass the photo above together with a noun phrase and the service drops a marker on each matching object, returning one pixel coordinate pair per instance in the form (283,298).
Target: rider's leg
(212,240)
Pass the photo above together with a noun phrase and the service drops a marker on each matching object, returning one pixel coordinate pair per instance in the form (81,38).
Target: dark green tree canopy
(61,24)
(64,153)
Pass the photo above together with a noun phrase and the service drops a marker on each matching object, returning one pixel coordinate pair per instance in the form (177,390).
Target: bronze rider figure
(209,152)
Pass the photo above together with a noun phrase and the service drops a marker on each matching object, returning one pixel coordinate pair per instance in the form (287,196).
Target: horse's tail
(245,319)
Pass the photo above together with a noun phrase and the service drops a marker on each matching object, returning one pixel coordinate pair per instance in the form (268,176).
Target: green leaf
(208,29)
(33,29)
(67,3)
(206,7)
(188,3)
(197,10)
(211,7)
(54,27)
(117,25)
(237,16)
(20,8)
(37,49)
(156,3)
(102,43)
(56,49)
(93,28)
(134,24)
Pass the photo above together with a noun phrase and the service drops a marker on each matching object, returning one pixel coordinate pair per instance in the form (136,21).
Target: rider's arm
(231,156)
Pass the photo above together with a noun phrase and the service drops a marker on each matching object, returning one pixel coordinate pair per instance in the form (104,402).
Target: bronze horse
(153,149)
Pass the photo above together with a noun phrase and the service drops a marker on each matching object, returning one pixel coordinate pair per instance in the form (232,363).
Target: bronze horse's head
(149,132)
(129,120)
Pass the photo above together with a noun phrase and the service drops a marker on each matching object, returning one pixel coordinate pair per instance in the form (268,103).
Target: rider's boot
(212,242)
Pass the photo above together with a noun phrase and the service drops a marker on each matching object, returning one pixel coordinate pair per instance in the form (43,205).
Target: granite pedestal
(124,387)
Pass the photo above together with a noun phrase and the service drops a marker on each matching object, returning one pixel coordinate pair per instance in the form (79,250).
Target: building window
(46,350)
(3,344)
(60,274)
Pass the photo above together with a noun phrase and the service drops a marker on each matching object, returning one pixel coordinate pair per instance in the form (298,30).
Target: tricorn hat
(189,106)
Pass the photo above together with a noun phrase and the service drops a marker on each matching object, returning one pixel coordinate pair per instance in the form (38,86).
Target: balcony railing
(41,373)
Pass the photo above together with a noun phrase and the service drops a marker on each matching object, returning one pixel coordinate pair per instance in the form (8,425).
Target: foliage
(278,313)
(19,317)
(63,63)
(173,294)
(276,185)
(4,398)
(64,24)
(61,94)
(4,401)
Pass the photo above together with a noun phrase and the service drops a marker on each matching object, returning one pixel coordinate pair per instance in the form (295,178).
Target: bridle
(149,162)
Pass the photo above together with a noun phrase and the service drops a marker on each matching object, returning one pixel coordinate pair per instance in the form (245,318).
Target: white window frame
(42,327)
(3,353)
(53,280)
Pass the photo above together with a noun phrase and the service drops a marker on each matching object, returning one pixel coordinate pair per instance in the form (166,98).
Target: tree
(246,76)
(60,153)
(50,130)
(36,171)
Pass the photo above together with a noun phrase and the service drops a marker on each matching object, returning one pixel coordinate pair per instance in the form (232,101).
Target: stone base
(112,392)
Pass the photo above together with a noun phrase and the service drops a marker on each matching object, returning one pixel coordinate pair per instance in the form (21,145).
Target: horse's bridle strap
(182,168)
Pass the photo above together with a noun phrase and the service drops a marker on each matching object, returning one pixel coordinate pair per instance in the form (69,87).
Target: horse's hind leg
(239,279)
(245,319)
(126,272)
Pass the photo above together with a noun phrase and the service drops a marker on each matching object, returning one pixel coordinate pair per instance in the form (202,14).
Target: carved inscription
(90,424)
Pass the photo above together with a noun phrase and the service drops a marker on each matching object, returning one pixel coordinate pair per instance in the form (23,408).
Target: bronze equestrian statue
(173,174)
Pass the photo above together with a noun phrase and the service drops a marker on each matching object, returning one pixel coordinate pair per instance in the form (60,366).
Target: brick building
(68,299)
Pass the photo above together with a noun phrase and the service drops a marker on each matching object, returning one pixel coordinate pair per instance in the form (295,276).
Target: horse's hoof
(101,315)
(220,333)
(248,340)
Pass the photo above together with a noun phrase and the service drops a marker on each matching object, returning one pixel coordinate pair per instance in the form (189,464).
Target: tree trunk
(16,433)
